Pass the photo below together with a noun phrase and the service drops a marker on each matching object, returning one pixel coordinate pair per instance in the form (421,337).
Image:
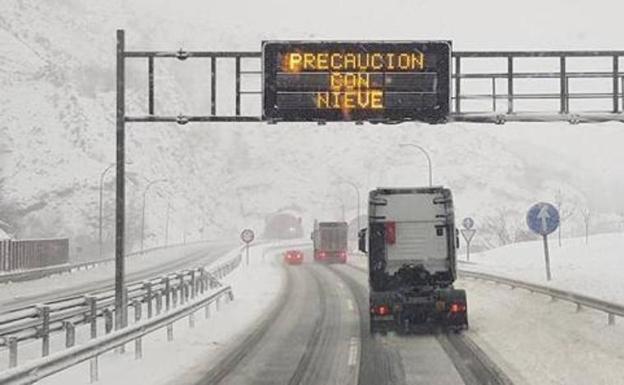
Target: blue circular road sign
(543,218)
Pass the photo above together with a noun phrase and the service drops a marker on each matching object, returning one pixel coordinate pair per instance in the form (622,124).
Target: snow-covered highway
(308,324)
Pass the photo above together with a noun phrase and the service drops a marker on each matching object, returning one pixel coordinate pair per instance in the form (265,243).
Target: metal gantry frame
(122,118)
(564,94)
(459,113)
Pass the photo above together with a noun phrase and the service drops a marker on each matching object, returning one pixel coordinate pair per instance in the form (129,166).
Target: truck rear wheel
(378,328)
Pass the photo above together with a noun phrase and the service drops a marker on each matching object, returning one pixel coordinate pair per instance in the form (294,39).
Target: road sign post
(247,236)
(547,258)
(120,300)
(543,219)
(468,233)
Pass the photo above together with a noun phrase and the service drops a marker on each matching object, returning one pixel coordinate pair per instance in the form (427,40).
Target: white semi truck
(412,242)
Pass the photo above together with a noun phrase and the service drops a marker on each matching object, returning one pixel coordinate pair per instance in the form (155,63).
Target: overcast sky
(472,25)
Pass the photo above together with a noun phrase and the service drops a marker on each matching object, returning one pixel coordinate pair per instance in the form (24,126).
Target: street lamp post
(167,223)
(102,176)
(150,184)
(426,155)
(101,193)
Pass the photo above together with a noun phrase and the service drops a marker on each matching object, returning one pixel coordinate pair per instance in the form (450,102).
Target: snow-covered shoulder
(593,268)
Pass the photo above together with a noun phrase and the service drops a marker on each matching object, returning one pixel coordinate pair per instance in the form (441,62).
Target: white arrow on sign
(544,215)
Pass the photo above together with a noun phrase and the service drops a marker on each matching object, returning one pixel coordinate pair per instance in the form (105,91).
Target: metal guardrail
(73,355)
(67,268)
(612,309)
(38,322)
(36,370)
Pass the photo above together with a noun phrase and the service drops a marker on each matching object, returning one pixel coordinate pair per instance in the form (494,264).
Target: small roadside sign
(247,236)
(468,223)
(543,218)
(468,234)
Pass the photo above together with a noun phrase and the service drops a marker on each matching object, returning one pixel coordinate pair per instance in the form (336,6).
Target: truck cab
(411,241)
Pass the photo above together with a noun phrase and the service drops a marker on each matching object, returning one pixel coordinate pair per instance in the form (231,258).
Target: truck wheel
(373,329)
(406,326)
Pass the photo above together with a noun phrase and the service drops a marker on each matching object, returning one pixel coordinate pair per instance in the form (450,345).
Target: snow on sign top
(247,235)
(356,81)
(543,218)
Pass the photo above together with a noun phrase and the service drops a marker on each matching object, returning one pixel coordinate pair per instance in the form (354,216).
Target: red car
(293,257)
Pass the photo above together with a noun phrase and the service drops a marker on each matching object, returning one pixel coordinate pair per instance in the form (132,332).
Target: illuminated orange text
(356,62)
(348,100)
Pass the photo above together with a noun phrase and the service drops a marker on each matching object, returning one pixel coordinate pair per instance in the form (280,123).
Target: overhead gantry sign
(356,81)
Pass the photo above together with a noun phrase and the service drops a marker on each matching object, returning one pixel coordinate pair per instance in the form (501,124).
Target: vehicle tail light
(321,254)
(381,310)
(342,254)
(391,233)
(457,308)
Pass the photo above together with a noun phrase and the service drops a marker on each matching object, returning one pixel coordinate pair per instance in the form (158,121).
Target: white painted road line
(353,351)
(350,305)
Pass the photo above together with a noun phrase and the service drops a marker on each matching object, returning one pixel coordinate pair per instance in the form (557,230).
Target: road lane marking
(353,351)
(350,305)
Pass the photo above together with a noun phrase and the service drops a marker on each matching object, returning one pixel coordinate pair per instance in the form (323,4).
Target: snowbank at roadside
(595,268)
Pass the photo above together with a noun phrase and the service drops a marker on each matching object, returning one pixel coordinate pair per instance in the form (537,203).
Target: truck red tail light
(321,254)
(390,233)
(342,254)
(457,308)
(381,310)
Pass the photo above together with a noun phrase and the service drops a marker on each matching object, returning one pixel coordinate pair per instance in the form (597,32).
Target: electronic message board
(356,81)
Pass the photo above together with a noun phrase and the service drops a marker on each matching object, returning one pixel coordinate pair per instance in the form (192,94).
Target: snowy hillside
(57,108)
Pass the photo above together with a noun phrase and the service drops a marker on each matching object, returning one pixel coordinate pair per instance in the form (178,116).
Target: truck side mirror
(362,240)
(456,239)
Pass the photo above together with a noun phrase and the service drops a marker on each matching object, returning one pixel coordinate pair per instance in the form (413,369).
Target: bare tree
(586,218)
(564,212)
(498,226)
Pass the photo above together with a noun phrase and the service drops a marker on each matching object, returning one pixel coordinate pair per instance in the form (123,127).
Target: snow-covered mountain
(57,129)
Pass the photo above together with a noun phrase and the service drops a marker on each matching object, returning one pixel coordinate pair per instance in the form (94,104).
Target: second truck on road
(330,241)
(412,265)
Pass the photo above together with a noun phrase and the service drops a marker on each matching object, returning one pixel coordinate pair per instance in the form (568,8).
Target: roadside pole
(247,236)
(468,233)
(120,300)
(547,258)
